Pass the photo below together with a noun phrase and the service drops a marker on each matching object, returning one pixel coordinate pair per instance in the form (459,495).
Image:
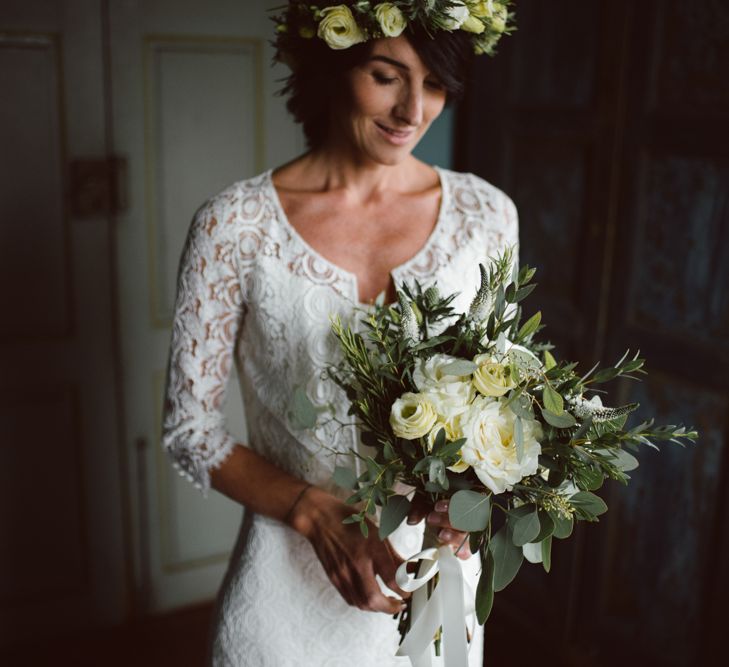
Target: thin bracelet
(296,502)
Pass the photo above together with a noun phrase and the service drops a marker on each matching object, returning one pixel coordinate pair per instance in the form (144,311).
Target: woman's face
(393,101)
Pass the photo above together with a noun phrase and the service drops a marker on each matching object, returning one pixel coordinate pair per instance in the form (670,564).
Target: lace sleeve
(208,312)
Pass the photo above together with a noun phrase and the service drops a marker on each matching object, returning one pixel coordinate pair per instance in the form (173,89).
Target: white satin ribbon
(445,607)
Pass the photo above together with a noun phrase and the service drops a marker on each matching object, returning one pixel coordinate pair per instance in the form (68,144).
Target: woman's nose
(410,106)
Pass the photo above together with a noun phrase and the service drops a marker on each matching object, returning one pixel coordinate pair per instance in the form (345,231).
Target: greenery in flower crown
(563,444)
(343,24)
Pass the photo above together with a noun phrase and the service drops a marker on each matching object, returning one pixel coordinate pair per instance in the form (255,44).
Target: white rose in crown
(457,14)
(412,416)
(391,19)
(491,449)
(450,394)
(338,27)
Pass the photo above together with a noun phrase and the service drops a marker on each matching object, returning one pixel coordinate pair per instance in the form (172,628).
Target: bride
(266,261)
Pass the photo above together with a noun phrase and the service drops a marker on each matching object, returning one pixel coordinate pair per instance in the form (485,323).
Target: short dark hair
(319,72)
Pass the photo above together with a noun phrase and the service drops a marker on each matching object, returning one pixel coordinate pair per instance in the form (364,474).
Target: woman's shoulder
(240,199)
(469,190)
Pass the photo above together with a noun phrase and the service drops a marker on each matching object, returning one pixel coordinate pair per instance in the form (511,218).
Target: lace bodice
(251,291)
(250,287)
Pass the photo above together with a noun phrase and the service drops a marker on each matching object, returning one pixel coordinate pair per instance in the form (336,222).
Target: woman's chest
(367,241)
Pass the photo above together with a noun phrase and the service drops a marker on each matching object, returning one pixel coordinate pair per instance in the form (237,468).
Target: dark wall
(607,121)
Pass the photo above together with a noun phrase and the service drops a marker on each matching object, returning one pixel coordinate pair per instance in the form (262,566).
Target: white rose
(491,449)
(412,416)
(450,394)
(457,14)
(391,19)
(492,378)
(338,27)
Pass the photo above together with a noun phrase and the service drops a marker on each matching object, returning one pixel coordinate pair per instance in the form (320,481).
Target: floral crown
(347,23)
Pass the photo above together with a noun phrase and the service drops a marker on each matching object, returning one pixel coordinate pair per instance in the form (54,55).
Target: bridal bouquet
(472,408)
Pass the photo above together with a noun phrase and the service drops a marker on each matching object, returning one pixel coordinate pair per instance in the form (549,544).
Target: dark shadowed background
(607,122)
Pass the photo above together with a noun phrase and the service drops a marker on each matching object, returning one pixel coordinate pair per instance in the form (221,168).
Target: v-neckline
(349,275)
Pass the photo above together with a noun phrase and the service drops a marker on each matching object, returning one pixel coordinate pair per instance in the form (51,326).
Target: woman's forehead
(397,51)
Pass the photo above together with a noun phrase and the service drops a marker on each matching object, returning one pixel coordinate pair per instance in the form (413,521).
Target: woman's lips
(397,137)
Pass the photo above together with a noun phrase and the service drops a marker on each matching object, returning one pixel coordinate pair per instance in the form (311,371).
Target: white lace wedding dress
(253,292)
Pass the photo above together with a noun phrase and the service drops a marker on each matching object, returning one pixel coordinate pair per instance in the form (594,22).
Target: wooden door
(607,123)
(194,110)
(62,524)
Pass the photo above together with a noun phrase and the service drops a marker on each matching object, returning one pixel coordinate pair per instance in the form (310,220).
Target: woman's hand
(438,517)
(350,560)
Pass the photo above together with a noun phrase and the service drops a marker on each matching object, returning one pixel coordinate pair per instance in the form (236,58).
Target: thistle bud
(409,330)
(431,296)
(483,302)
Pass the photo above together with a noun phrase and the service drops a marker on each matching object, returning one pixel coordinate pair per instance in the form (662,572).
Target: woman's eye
(435,85)
(382,79)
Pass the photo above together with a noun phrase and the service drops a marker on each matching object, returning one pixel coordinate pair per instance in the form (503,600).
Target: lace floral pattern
(252,292)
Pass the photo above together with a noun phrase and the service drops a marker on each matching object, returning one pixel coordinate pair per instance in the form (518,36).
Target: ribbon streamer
(445,607)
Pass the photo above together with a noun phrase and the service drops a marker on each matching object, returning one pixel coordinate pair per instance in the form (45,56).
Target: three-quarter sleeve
(208,313)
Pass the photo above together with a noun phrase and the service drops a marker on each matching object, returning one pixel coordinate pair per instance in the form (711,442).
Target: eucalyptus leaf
(507,559)
(469,511)
(549,361)
(565,420)
(393,514)
(552,400)
(525,529)
(519,439)
(345,477)
(546,526)
(547,554)
(302,413)
(589,503)
(562,527)
(485,589)
(458,367)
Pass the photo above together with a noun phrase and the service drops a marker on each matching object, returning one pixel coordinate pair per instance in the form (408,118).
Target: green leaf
(469,511)
(562,527)
(547,554)
(507,559)
(519,438)
(450,449)
(589,503)
(589,479)
(485,589)
(302,413)
(364,528)
(552,400)
(530,326)
(621,459)
(522,407)
(458,367)
(525,529)
(549,361)
(393,514)
(524,292)
(546,526)
(565,420)
(345,477)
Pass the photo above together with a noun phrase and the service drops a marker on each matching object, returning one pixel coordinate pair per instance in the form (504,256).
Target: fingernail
(433,518)
(412,520)
(441,506)
(445,535)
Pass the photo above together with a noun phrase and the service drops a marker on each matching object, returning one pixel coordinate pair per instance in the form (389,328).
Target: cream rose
(472,24)
(490,448)
(391,19)
(450,394)
(412,416)
(492,378)
(498,17)
(456,15)
(338,27)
